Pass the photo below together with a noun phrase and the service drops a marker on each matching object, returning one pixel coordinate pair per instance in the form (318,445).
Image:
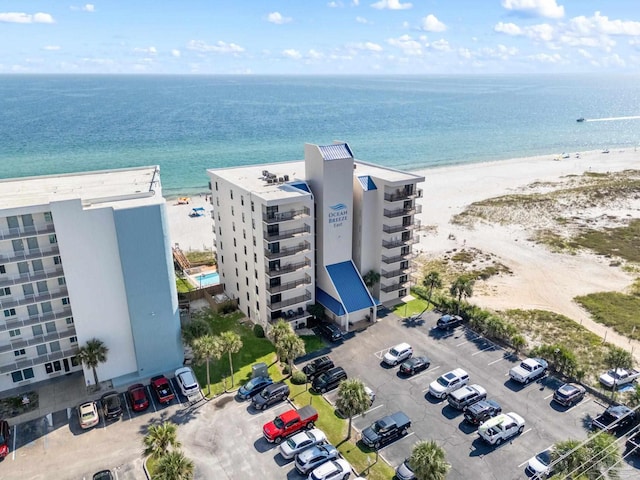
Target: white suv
(448,383)
(398,354)
(338,469)
(187,382)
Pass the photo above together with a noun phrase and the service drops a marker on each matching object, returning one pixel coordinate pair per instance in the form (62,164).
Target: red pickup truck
(288,423)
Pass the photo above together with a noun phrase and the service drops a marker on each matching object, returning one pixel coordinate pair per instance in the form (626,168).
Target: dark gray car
(274,393)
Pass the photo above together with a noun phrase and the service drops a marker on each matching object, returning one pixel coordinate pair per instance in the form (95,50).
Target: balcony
(288,268)
(276,217)
(283,235)
(38,340)
(6,281)
(12,233)
(402,195)
(13,323)
(36,298)
(401,212)
(283,287)
(400,243)
(398,258)
(32,362)
(287,302)
(393,287)
(287,251)
(414,225)
(396,273)
(28,254)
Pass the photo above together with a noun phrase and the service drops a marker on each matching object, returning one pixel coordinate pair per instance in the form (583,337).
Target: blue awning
(367,183)
(329,302)
(301,186)
(350,286)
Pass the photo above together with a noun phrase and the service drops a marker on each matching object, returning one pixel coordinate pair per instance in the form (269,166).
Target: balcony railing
(398,258)
(415,224)
(288,268)
(393,287)
(396,273)
(402,195)
(400,243)
(11,233)
(29,254)
(400,212)
(14,323)
(35,298)
(282,235)
(32,362)
(39,339)
(283,287)
(287,302)
(276,217)
(287,251)
(6,281)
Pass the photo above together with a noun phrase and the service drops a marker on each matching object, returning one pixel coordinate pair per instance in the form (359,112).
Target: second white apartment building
(288,235)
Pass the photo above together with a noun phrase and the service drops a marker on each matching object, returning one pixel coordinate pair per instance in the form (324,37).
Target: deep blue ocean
(186,124)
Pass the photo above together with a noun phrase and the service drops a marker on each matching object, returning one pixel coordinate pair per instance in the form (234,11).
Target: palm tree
(230,342)
(618,358)
(432,280)
(290,347)
(159,438)
(205,349)
(195,328)
(352,400)
(279,330)
(316,310)
(518,342)
(596,458)
(428,461)
(174,466)
(461,287)
(371,278)
(93,353)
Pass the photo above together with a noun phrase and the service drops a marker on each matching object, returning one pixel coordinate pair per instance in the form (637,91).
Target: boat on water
(581,119)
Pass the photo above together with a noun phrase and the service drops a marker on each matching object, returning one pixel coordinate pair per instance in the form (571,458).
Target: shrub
(298,378)
(258,330)
(228,307)
(285,369)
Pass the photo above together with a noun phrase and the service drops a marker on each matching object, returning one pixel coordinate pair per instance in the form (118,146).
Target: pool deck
(193,272)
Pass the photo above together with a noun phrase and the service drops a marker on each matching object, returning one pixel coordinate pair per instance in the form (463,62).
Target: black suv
(614,419)
(316,367)
(447,322)
(481,412)
(330,331)
(111,405)
(276,392)
(329,379)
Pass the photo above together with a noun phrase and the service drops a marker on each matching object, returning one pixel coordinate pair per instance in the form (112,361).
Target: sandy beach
(540,279)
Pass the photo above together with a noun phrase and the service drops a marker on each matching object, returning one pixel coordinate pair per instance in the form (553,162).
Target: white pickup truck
(619,377)
(500,428)
(529,370)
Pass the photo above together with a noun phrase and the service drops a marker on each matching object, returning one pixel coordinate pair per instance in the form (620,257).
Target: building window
(247,296)
(236,271)
(257,290)
(247,281)
(256,272)
(245,249)
(221,258)
(255,257)
(231,193)
(235,257)
(3,269)
(41,349)
(54,346)
(73,339)
(28,373)
(242,217)
(21,375)
(221,248)
(237,286)
(74,361)
(19,352)
(218,216)
(217,201)
(57,260)
(246,267)
(62,281)
(258,306)
(53,239)
(234,242)
(16,376)
(253,207)
(37,330)
(242,200)
(53,367)
(7,291)
(69,320)
(244,234)
(233,224)
(65,301)
(254,240)
(10,312)
(47,217)
(253,223)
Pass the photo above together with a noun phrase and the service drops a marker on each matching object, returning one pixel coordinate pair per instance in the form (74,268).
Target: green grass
(312,343)
(417,305)
(614,309)
(200,257)
(183,285)
(620,241)
(151,466)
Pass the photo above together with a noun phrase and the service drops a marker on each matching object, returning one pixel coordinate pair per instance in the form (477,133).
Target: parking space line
(380,353)
(422,373)
(548,396)
(485,349)
(126,404)
(526,431)
(395,441)
(15,431)
(496,361)
(578,404)
(151,399)
(466,341)
(370,410)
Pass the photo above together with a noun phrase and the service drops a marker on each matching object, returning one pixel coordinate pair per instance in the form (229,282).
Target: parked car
(88,415)
(188,383)
(501,428)
(314,457)
(614,419)
(5,435)
(330,331)
(289,423)
(276,392)
(398,354)
(569,394)
(538,466)
(482,411)
(404,471)
(253,387)
(461,398)
(111,405)
(317,366)
(632,444)
(415,365)
(162,389)
(448,382)
(338,469)
(386,430)
(301,441)
(530,369)
(103,475)
(447,322)
(138,399)
(329,380)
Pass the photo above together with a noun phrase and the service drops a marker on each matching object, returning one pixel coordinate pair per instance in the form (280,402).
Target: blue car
(253,387)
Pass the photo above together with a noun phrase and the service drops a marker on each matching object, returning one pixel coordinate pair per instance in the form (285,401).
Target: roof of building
(386,174)
(367,183)
(350,286)
(329,302)
(337,151)
(124,185)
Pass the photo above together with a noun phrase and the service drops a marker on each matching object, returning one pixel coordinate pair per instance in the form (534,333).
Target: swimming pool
(207,279)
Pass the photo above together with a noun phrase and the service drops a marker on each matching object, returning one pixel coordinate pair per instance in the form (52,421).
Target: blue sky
(320,37)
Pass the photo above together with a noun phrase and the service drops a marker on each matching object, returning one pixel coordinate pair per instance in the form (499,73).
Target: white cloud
(355,3)
(20,17)
(146,51)
(465,53)
(89,8)
(546,58)
(219,47)
(584,53)
(176,53)
(292,53)
(362,20)
(408,45)
(601,24)
(315,55)
(441,45)
(391,5)
(431,24)
(542,32)
(508,28)
(51,48)
(369,46)
(277,18)
(538,8)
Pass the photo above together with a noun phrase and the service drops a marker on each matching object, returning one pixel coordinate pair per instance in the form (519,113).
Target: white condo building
(288,235)
(86,256)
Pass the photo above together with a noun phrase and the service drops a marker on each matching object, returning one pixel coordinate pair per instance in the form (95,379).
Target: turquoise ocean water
(186,124)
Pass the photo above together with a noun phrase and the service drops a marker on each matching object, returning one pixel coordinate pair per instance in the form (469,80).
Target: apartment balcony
(36,298)
(13,233)
(288,251)
(393,287)
(402,195)
(414,225)
(13,323)
(396,273)
(401,212)
(7,281)
(277,217)
(287,302)
(398,258)
(28,254)
(288,268)
(400,243)
(283,287)
(38,340)
(32,362)
(284,234)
